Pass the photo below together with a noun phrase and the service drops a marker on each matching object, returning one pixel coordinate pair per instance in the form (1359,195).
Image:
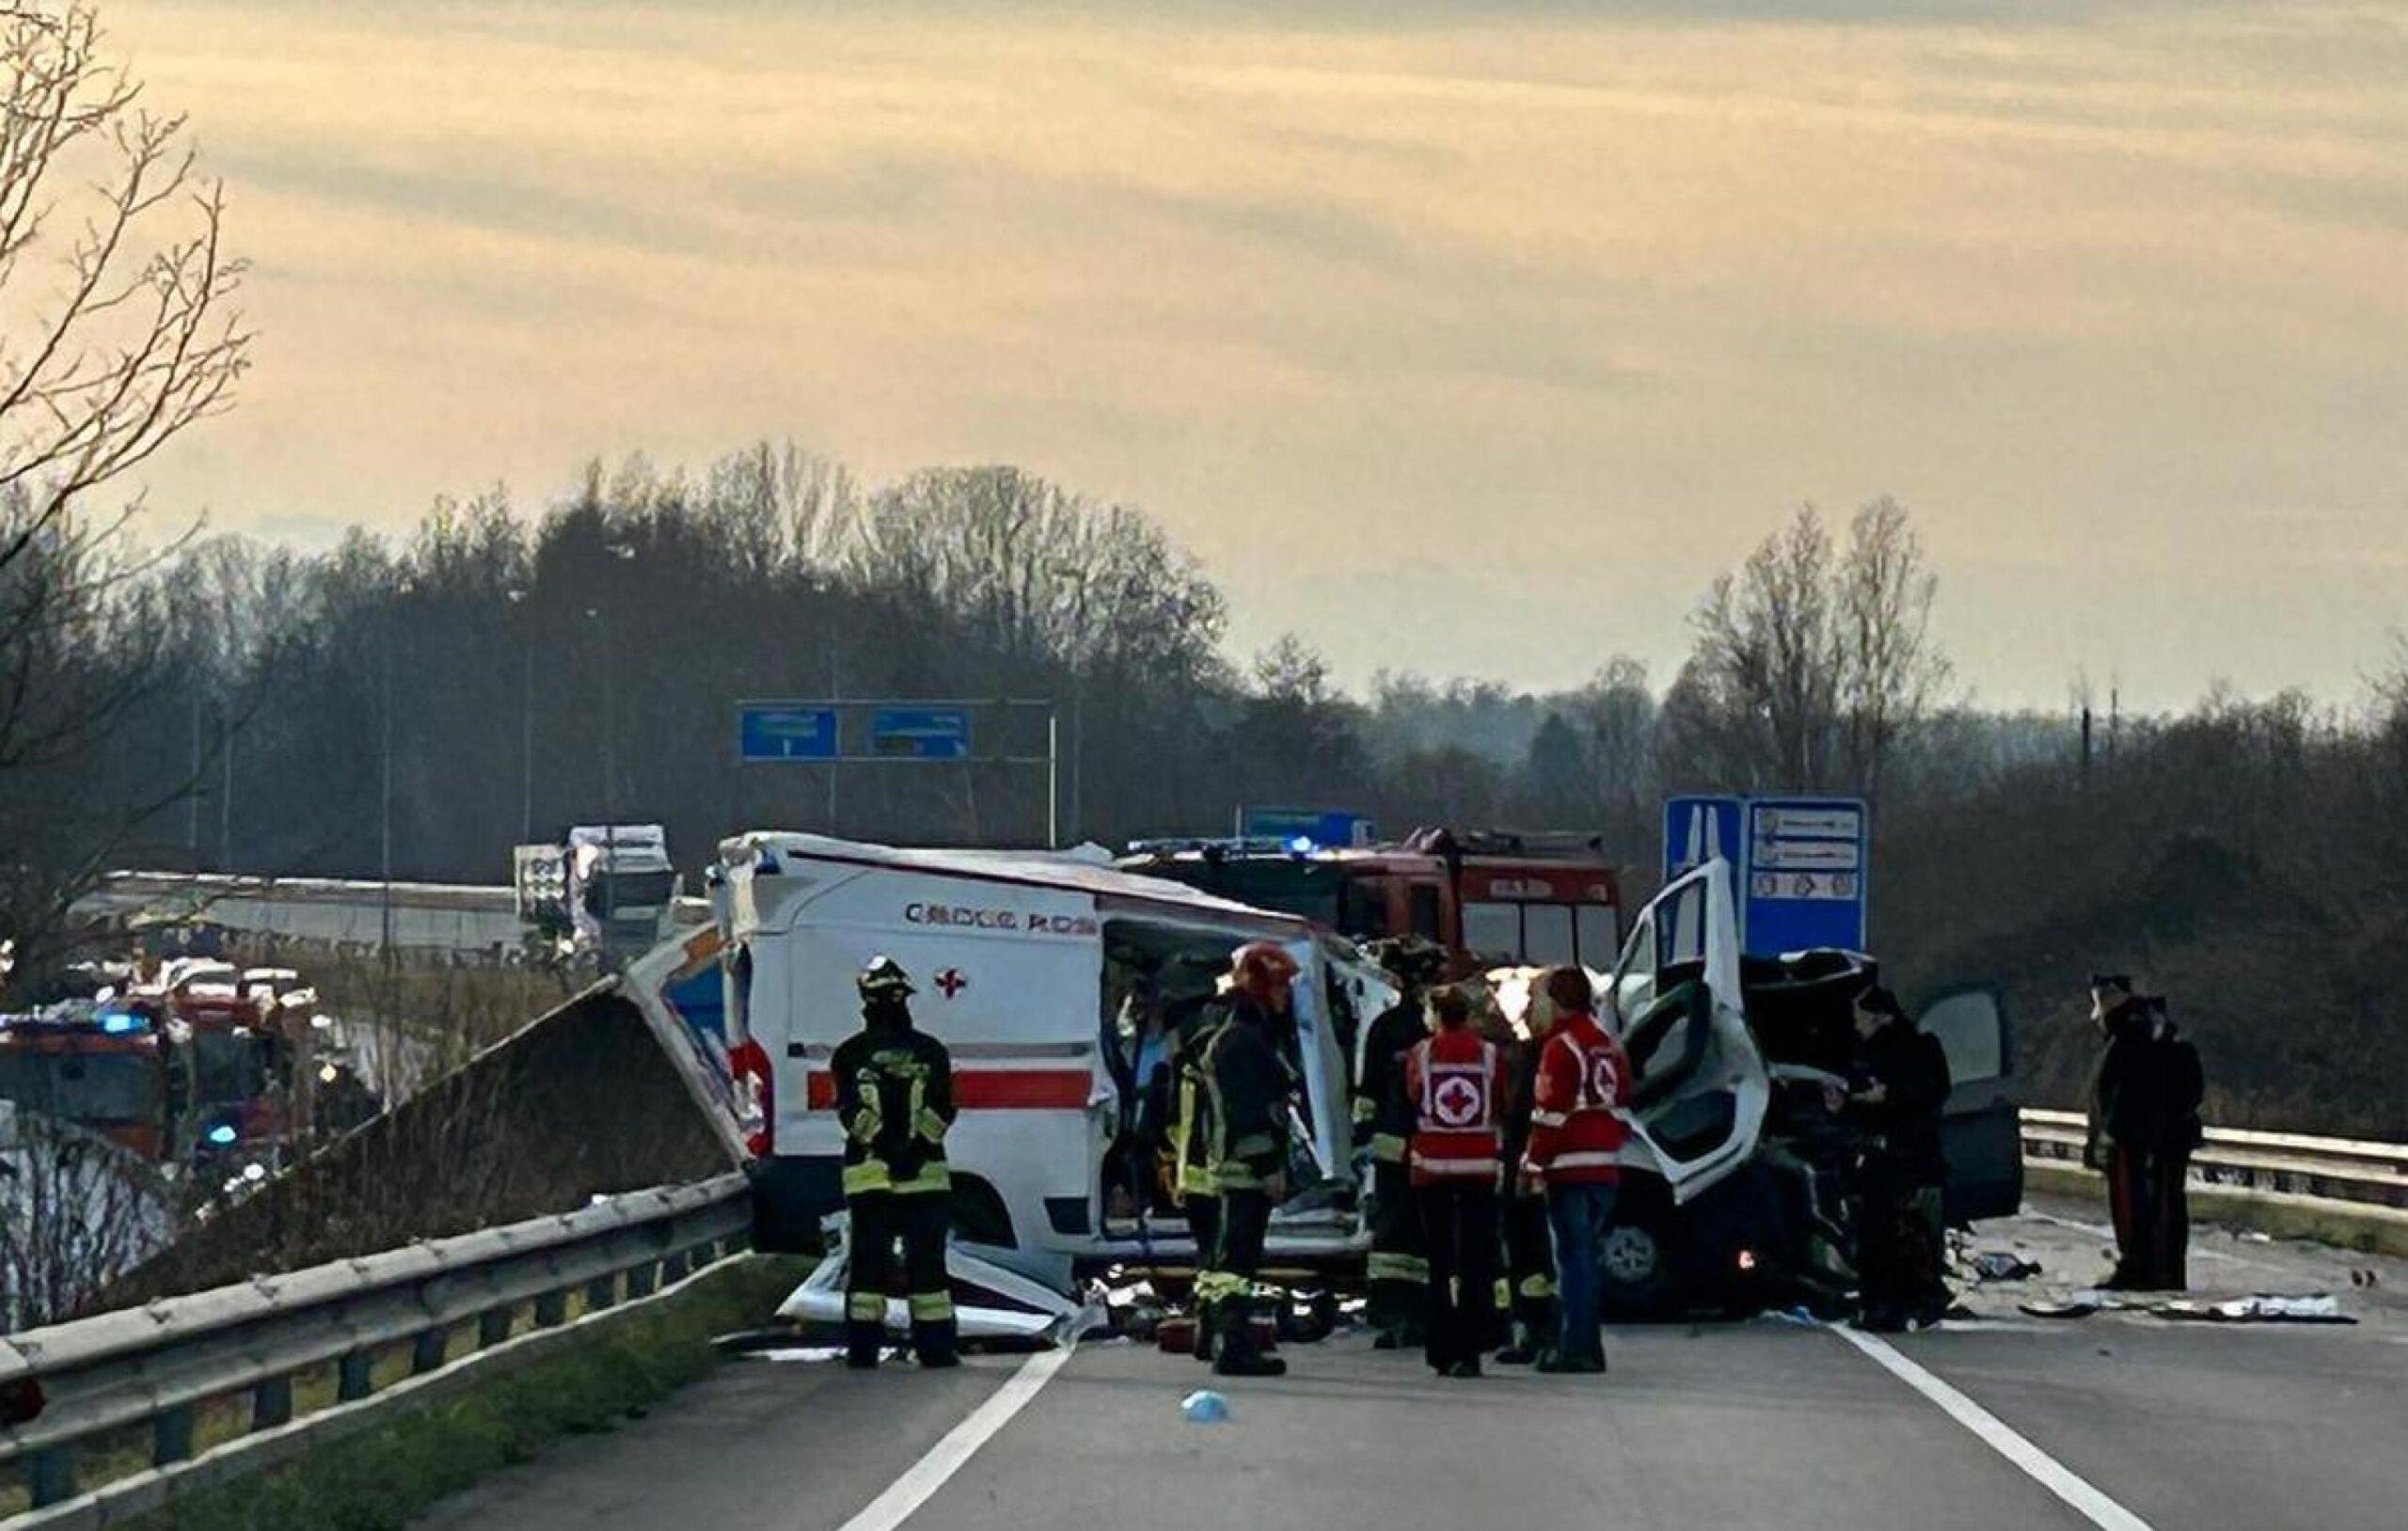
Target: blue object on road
(1205,1407)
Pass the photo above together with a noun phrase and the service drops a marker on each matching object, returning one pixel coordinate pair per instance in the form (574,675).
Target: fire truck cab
(103,1067)
(1505,900)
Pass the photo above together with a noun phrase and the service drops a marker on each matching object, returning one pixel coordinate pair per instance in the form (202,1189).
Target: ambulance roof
(1028,868)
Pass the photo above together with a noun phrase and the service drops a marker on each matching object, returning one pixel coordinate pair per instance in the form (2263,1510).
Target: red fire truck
(1517,899)
(105,1067)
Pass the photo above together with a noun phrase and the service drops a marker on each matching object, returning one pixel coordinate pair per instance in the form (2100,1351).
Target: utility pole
(835,694)
(385,813)
(1052,779)
(527,749)
(226,800)
(192,832)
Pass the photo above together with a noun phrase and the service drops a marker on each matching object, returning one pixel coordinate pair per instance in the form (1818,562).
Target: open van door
(1699,1089)
(1982,1132)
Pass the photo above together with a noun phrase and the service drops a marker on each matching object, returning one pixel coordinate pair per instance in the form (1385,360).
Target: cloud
(1567,286)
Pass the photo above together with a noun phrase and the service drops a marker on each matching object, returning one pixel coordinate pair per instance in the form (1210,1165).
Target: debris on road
(1998,1264)
(2261,1308)
(1205,1407)
(2257,1307)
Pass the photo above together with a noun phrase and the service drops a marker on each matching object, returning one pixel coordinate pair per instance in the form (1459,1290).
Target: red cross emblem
(1457,1102)
(951,983)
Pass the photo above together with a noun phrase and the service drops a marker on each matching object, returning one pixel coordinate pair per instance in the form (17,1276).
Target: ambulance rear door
(1008,977)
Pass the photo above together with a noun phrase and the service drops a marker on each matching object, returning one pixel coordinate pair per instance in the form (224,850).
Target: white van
(1022,962)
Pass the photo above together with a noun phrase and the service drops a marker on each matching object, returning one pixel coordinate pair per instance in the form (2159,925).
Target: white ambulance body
(1019,960)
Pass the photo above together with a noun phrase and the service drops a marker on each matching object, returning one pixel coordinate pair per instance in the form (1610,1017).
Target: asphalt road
(1766,1422)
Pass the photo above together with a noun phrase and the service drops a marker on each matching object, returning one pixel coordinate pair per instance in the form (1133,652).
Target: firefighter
(1248,1087)
(1192,1183)
(1899,1092)
(1398,1269)
(1452,1077)
(894,1101)
(1527,1291)
(1576,1133)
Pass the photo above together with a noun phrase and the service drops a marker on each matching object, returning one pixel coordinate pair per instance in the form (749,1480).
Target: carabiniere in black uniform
(894,1100)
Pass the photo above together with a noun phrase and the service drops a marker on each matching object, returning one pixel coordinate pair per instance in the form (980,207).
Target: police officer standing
(894,1101)
(1897,1098)
(1248,1087)
(2145,1102)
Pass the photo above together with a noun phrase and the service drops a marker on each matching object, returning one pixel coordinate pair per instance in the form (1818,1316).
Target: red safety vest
(1576,1131)
(1452,1079)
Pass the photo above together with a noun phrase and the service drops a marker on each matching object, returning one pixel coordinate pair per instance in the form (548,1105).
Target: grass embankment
(382,1477)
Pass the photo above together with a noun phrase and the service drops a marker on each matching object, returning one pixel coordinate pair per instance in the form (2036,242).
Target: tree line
(414,705)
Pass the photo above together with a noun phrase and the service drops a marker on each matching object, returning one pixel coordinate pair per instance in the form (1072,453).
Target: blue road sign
(784,730)
(1316,827)
(1698,830)
(1805,877)
(920,732)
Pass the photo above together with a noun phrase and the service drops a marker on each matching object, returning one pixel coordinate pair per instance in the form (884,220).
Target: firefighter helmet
(1261,969)
(885,978)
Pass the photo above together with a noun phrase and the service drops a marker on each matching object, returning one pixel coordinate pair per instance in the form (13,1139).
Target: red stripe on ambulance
(988,1089)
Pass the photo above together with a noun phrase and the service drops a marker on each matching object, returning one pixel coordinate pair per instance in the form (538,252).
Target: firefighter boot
(862,1342)
(1241,1351)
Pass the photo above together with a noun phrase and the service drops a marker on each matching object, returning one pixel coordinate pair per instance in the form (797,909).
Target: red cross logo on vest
(951,983)
(1457,1102)
(1601,1077)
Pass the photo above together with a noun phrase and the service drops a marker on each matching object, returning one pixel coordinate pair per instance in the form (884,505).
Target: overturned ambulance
(1029,967)
(1025,964)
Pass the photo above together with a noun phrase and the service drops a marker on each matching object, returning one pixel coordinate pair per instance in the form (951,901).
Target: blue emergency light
(223,1135)
(119,1022)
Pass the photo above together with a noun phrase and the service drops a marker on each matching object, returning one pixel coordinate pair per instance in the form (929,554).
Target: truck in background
(609,890)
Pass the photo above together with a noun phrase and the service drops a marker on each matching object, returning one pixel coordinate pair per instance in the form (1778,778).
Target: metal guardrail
(2337,1168)
(159,1364)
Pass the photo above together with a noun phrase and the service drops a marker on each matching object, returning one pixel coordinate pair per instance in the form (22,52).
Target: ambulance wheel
(1635,1269)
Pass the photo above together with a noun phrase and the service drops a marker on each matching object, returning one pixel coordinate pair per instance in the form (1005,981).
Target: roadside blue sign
(784,730)
(1807,859)
(1316,825)
(1798,865)
(920,732)
(1698,830)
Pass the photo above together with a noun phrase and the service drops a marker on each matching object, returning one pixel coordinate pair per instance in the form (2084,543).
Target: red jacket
(1584,1078)
(1452,1081)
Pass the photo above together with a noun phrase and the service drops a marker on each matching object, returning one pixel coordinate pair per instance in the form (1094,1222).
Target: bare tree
(75,1211)
(1890,672)
(119,334)
(1812,659)
(116,333)
(1768,657)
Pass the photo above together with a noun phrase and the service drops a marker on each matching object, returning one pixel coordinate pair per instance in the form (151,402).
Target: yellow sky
(1472,342)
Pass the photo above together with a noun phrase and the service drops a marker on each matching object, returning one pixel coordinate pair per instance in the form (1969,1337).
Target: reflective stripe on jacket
(1453,1079)
(1577,1130)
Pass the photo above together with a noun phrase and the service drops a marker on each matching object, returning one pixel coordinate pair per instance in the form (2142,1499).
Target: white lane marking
(926,1475)
(1994,1433)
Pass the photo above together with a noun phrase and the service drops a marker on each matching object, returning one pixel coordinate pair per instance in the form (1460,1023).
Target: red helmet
(1261,969)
